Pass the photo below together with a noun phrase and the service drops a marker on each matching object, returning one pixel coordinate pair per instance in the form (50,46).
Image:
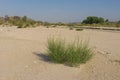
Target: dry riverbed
(23,55)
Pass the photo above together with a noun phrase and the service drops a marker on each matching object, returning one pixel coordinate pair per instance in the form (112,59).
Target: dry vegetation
(24,22)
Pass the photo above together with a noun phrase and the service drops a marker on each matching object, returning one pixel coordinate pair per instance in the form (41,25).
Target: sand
(23,55)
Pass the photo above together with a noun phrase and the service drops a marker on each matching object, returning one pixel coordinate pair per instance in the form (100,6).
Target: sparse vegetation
(79,29)
(93,19)
(20,22)
(72,54)
(56,50)
(70,28)
(24,22)
(98,22)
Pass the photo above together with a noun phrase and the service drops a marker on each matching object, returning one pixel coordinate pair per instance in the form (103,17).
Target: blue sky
(61,10)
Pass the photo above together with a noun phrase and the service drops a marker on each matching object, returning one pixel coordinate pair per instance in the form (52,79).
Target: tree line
(23,22)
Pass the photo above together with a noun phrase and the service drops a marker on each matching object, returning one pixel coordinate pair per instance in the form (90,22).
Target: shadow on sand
(43,56)
(46,58)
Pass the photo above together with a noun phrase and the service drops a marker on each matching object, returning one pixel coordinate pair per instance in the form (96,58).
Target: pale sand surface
(22,55)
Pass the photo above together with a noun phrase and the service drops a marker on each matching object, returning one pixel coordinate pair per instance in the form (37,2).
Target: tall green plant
(72,54)
(56,50)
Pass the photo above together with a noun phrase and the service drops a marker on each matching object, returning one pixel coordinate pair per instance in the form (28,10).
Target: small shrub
(56,50)
(117,25)
(70,28)
(79,29)
(78,53)
(54,26)
(33,26)
(71,54)
(26,25)
(47,27)
(20,25)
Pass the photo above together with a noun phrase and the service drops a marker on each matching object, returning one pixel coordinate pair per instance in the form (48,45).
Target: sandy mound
(23,55)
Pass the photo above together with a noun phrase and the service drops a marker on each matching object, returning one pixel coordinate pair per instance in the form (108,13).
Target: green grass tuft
(70,28)
(79,29)
(56,50)
(72,54)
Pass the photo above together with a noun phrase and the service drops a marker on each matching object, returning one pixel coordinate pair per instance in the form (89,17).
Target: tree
(47,24)
(106,20)
(101,20)
(118,21)
(24,18)
(6,18)
(16,17)
(93,19)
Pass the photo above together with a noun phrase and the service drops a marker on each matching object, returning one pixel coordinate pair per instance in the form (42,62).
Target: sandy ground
(23,55)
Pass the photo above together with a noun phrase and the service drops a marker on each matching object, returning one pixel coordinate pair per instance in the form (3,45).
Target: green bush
(93,19)
(71,54)
(56,50)
(20,25)
(33,26)
(70,28)
(79,29)
(78,53)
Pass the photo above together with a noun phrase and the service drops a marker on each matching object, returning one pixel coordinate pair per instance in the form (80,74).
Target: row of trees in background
(99,21)
(94,20)
(23,22)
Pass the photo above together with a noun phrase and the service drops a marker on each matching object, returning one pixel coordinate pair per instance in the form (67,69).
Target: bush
(79,29)
(70,28)
(33,26)
(93,19)
(20,25)
(71,54)
(56,50)
(78,53)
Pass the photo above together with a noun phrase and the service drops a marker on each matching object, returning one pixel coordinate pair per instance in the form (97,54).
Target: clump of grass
(72,54)
(79,29)
(78,53)
(56,50)
(20,25)
(47,27)
(70,28)
(33,26)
